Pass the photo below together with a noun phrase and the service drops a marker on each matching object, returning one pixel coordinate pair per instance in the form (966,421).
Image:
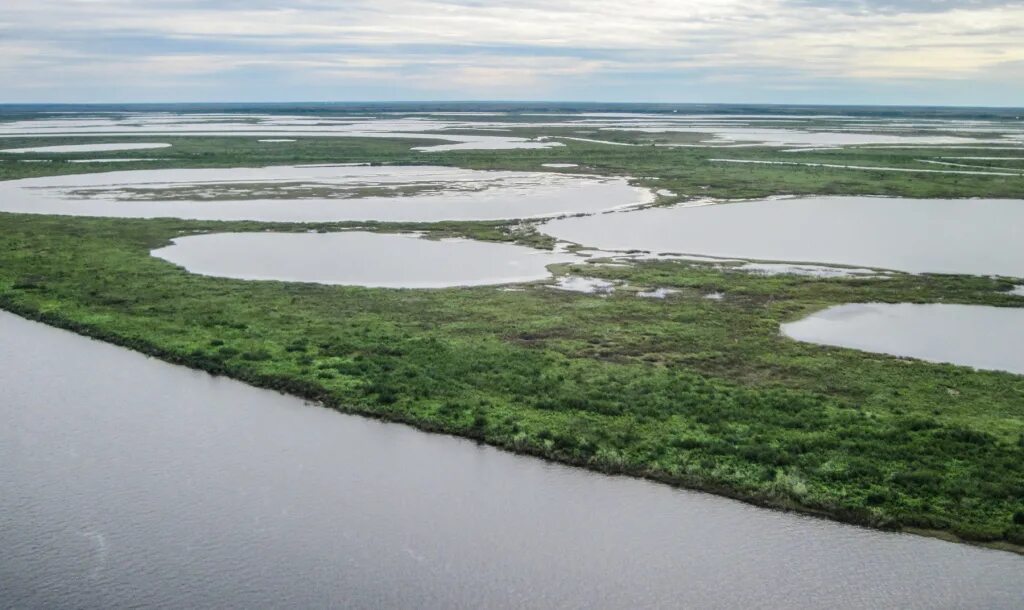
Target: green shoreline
(316,396)
(696,394)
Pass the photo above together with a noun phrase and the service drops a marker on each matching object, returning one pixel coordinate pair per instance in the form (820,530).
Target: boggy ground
(687,390)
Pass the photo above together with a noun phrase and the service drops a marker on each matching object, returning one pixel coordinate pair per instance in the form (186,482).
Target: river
(127,481)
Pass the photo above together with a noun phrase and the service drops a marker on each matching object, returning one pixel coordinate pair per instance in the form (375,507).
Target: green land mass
(693,392)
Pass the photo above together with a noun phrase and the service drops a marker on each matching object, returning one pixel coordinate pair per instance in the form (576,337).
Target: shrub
(256,355)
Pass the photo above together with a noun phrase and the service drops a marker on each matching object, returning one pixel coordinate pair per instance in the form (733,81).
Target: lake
(978,336)
(959,236)
(358,258)
(320,193)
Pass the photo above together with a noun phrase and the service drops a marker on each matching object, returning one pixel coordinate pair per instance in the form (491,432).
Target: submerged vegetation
(688,390)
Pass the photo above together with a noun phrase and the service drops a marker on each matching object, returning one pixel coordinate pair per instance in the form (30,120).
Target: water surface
(978,336)
(320,193)
(125,481)
(726,133)
(717,129)
(585,285)
(968,236)
(875,168)
(656,293)
(77,148)
(271,126)
(358,258)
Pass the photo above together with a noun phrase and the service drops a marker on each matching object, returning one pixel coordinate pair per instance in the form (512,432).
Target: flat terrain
(691,391)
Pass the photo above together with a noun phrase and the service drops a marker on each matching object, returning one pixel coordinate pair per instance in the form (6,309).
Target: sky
(917,52)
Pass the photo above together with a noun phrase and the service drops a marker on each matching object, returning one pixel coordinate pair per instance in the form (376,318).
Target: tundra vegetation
(697,392)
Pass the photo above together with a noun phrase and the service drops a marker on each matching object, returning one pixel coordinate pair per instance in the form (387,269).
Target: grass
(693,392)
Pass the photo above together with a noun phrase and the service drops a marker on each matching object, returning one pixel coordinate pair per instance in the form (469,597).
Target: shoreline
(307,392)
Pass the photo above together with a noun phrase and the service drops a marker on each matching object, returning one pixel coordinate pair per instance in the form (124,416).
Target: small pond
(357,258)
(981,337)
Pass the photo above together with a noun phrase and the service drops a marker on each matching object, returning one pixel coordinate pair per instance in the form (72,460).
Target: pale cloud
(484,48)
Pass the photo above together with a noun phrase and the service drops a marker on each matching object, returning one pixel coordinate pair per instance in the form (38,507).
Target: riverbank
(314,394)
(106,486)
(692,391)
(688,391)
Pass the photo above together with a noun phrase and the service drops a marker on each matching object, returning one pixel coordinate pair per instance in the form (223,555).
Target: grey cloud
(907,6)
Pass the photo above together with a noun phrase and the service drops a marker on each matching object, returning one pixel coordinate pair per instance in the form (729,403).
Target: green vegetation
(686,390)
(688,172)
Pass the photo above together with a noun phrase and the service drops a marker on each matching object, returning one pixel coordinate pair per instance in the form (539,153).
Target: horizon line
(512,102)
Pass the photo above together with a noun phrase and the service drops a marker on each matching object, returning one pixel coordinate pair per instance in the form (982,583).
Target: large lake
(320,193)
(127,482)
(969,236)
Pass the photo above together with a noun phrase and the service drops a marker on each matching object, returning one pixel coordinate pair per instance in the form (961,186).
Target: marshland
(435,304)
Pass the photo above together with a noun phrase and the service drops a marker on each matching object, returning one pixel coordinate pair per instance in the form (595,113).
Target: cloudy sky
(796,51)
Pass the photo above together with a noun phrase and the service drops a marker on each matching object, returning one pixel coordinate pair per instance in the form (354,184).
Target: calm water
(125,481)
(970,236)
(254,124)
(585,285)
(320,193)
(361,259)
(765,128)
(77,148)
(971,335)
(724,134)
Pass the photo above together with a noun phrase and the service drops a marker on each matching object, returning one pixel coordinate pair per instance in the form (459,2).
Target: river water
(126,481)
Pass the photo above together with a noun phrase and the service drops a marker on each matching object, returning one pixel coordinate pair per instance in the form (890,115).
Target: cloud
(909,6)
(477,48)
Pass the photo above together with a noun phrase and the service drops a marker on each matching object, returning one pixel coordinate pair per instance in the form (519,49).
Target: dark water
(125,481)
